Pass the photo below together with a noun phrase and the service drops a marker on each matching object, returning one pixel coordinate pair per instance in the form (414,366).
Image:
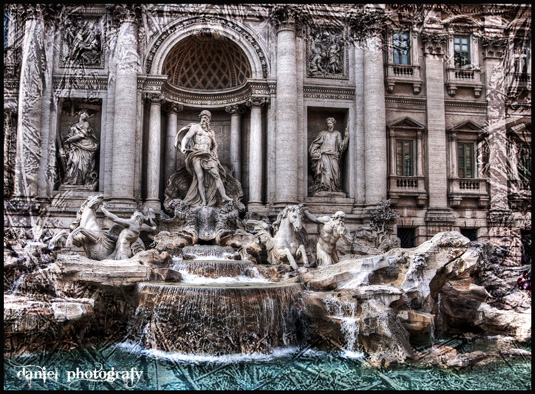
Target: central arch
(217,27)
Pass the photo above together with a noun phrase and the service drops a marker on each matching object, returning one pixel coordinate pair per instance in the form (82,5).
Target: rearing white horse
(286,242)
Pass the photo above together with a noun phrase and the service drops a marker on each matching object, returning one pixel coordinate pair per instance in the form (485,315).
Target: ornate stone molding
(333,93)
(434,43)
(467,104)
(494,47)
(86,82)
(207,99)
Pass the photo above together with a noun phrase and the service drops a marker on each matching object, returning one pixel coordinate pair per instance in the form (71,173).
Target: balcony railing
(518,81)
(407,186)
(460,188)
(458,77)
(401,73)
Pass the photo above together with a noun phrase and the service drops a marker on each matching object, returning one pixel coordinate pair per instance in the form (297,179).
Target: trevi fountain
(189,236)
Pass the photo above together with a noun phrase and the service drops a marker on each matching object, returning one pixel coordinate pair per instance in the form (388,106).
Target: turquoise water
(123,367)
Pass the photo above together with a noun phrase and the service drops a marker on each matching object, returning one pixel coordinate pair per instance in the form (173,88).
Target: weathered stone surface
(504,321)
(111,273)
(383,336)
(22,314)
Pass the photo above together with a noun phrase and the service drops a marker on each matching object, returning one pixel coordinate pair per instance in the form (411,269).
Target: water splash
(213,252)
(349,324)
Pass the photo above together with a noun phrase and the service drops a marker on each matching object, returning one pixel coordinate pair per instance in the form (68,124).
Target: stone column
(286,165)
(235,140)
(46,177)
(255,152)
(360,186)
(375,153)
(124,124)
(170,150)
(494,69)
(28,143)
(439,216)
(153,151)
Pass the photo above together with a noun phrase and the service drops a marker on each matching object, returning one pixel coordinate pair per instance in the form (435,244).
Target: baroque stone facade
(436,101)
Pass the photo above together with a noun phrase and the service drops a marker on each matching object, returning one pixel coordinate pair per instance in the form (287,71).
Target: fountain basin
(216,318)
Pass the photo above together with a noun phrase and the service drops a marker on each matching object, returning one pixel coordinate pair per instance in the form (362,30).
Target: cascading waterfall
(241,312)
(349,324)
(215,318)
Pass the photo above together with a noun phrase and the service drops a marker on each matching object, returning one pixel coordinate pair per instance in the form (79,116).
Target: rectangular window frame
(462,54)
(405,154)
(401,47)
(466,165)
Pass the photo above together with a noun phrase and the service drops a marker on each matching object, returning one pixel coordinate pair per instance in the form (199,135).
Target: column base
(154,204)
(257,207)
(121,205)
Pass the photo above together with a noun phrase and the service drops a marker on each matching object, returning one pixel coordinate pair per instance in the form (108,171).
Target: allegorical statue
(80,147)
(210,183)
(325,152)
(129,235)
(333,229)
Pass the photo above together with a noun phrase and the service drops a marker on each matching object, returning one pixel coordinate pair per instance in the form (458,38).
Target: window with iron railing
(465,160)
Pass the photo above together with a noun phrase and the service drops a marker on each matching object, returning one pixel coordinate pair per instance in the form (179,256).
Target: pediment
(406,123)
(466,127)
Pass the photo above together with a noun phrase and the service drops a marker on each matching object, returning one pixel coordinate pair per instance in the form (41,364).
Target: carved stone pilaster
(434,43)
(494,47)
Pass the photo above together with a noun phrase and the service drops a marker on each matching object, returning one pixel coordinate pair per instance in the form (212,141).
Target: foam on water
(188,277)
(208,358)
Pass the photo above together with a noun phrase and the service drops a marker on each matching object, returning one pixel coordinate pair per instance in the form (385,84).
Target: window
(470,233)
(404,158)
(406,236)
(524,163)
(466,160)
(401,43)
(461,52)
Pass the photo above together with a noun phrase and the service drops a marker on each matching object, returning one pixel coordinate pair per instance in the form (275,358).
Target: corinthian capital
(125,13)
(494,47)
(154,98)
(256,101)
(434,43)
(285,16)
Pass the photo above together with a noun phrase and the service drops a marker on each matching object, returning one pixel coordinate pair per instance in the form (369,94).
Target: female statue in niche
(80,147)
(325,152)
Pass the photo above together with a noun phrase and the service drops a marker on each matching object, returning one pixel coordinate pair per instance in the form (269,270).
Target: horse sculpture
(288,242)
(86,232)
